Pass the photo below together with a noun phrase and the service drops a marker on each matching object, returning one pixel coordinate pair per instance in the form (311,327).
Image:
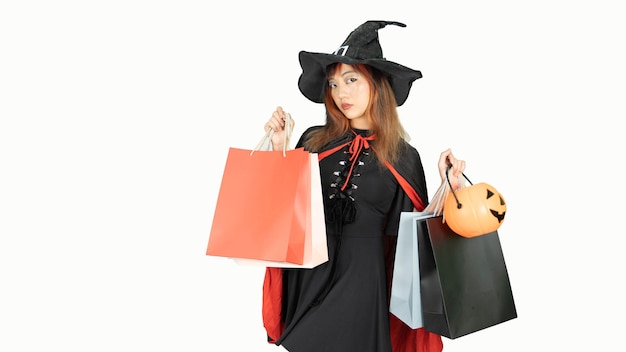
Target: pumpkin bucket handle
(458,204)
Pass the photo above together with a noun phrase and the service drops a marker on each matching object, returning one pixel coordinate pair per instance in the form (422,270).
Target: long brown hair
(384,120)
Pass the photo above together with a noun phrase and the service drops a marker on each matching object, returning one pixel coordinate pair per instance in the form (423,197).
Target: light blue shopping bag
(406,299)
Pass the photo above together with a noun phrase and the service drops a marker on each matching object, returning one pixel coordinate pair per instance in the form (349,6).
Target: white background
(116,117)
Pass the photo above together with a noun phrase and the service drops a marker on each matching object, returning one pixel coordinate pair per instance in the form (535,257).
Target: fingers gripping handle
(267,138)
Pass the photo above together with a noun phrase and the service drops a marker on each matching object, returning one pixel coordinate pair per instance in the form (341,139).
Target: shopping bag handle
(458,204)
(268,135)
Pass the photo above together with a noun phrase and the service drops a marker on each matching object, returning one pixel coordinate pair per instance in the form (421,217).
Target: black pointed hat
(361,46)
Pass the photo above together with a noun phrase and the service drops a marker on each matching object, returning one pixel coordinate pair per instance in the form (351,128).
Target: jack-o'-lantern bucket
(474,210)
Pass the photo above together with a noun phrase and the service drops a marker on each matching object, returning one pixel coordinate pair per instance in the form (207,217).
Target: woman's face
(351,94)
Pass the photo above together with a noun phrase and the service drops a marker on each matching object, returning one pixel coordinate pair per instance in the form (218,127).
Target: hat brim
(313,77)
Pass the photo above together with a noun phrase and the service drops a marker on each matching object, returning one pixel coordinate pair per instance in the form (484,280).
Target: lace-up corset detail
(344,182)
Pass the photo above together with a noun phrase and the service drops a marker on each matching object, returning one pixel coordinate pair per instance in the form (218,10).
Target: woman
(343,304)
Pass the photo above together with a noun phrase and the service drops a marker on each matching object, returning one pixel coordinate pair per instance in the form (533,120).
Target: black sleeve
(410,167)
(305,135)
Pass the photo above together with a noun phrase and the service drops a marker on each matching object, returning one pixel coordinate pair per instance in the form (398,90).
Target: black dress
(343,304)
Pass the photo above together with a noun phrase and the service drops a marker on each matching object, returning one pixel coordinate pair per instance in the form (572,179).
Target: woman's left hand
(456,167)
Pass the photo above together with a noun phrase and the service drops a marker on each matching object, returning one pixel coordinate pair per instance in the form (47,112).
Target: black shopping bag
(464,282)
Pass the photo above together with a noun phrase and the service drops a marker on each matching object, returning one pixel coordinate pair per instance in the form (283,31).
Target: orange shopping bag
(261,206)
(269,209)
(315,242)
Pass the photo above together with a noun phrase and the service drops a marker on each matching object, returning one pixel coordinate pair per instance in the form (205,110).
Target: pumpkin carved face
(477,210)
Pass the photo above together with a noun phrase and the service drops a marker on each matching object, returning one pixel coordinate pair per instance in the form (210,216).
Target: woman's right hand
(451,165)
(277,123)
